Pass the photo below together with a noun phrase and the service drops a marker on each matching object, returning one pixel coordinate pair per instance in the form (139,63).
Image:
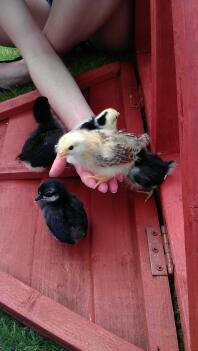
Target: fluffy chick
(107,119)
(104,153)
(148,172)
(38,152)
(64,213)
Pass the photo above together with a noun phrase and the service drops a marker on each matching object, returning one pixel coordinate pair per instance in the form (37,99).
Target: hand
(59,166)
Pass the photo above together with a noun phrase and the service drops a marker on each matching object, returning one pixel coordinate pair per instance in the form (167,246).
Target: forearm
(58,85)
(45,67)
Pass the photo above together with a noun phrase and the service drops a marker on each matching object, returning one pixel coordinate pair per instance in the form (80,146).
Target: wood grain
(52,319)
(185,42)
(104,278)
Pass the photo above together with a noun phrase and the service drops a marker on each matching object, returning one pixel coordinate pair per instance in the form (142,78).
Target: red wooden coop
(111,291)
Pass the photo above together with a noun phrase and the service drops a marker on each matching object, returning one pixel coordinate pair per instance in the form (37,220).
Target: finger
(113,185)
(103,187)
(120,177)
(57,167)
(84,175)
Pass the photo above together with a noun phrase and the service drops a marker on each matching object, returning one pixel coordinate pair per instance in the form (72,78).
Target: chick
(63,211)
(104,153)
(107,119)
(148,172)
(38,152)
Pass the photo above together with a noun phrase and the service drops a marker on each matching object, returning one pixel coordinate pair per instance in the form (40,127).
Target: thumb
(58,166)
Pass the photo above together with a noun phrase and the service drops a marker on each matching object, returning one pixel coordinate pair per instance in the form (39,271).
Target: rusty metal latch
(156,252)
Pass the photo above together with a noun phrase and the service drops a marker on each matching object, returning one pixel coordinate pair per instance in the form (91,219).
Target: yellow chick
(107,119)
(105,153)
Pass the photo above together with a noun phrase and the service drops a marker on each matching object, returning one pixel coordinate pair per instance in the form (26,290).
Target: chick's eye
(71,147)
(48,194)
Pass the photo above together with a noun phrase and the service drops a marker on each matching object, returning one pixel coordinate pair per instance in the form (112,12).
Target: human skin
(40,42)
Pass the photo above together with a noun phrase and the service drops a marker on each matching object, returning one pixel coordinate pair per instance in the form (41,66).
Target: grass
(81,59)
(15,337)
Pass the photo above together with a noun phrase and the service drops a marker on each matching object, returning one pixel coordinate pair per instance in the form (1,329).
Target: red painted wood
(142,26)
(171,201)
(24,102)
(164,123)
(66,327)
(155,290)
(172,206)
(102,278)
(144,69)
(62,272)
(18,215)
(101,74)
(185,39)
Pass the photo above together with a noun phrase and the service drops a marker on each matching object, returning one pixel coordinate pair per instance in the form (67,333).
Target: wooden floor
(107,277)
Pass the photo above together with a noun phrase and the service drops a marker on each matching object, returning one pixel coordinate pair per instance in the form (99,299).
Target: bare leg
(39,9)
(111,24)
(116,33)
(14,73)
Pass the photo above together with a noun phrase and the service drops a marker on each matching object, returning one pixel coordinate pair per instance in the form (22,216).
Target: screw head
(155,250)
(160,268)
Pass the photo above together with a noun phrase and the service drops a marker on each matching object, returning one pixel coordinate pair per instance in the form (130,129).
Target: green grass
(15,337)
(81,59)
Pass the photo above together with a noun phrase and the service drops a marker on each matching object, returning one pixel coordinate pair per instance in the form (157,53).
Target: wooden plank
(101,74)
(3,128)
(128,89)
(142,27)
(185,27)
(172,206)
(144,69)
(12,107)
(62,272)
(17,131)
(118,300)
(63,325)
(13,171)
(18,217)
(164,126)
(118,305)
(111,98)
(171,201)
(101,278)
(157,300)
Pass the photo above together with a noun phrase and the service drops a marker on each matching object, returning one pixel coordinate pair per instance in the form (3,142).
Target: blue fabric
(50,2)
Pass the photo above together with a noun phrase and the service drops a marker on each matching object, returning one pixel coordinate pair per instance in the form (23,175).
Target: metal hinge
(136,97)
(159,251)
(167,250)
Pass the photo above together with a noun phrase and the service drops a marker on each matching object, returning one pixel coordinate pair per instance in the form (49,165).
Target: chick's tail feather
(171,166)
(20,157)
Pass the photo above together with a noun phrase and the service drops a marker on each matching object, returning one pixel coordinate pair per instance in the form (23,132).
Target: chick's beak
(62,153)
(38,197)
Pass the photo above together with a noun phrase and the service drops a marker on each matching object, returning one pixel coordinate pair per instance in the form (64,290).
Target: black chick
(148,172)
(63,211)
(38,152)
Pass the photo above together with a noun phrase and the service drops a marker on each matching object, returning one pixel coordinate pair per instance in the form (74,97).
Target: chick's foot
(99,180)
